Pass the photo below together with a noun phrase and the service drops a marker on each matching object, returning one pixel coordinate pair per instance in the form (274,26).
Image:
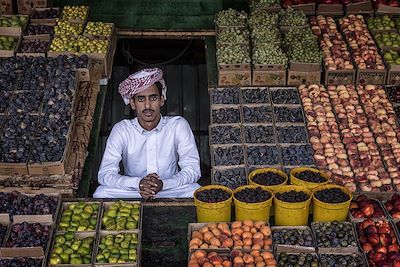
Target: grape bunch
(233,35)
(302,46)
(231,18)
(260,18)
(266,35)
(233,54)
(269,54)
(292,17)
(260,4)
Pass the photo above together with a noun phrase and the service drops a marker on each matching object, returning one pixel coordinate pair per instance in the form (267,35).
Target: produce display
(232,155)
(332,195)
(293,237)
(252,195)
(8,201)
(65,28)
(36,205)
(28,262)
(225,134)
(13,21)
(255,95)
(48,13)
(121,215)
(37,29)
(239,235)
(292,196)
(363,49)
(8,42)
(34,46)
(364,207)
(119,248)
(393,206)
(302,46)
(263,155)
(387,39)
(384,23)
(79,216)
(328,260)
(232,177)
(334,234)
(288,114)
(285,96)
(295,155)
(332,44)
(304,259)
(213,195)
(211,259)
(265,33)
(233,54)
(254,258)
(225,115)
(228,95)
(268,178)
(261,114)
(231,18)
(292,17)
(268,54)
(71,249)
(258,134)
(98,28)
(233,35)
(28,235)
(379,242)
(80,13)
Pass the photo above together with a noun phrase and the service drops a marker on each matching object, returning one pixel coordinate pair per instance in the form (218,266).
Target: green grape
(231,18)
(260,4)
(292,17)
(233,54)
(233,35)
(268,54)
(266,35)
(259,18)
(302,46)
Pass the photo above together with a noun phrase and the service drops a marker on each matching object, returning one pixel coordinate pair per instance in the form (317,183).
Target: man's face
(148,104)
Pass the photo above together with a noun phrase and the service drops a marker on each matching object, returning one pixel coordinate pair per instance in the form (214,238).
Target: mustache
(146,110)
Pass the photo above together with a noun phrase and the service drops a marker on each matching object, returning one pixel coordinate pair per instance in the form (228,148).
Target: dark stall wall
(154,14)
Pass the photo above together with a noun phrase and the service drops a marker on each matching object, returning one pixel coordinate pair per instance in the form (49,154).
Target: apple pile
(379,242)
(287,3)
(383,122)
(364,207)
(364,50)
(330,154)
(391,3)
(363,153)
(332,44)
(246,235)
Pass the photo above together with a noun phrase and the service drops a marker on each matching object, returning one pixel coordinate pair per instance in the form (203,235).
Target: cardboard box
(384,9)
(361,7)
(6,7)
(44,21)
(27,6)
(17,30)
(273,74)
(105,207)
(10,169)
(234,74)
(296,78)
(330,9)
(370,76)
(308,9)
(197,226)
(393,76)
(127,264)
(339,77)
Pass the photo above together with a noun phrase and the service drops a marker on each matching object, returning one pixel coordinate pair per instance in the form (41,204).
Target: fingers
(145,195)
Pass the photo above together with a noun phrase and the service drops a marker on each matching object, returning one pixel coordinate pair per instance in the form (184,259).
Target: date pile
(37,120)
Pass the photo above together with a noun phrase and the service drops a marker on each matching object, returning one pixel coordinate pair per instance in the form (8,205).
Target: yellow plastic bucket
(213,212)
(327,212)
(292,214)
(264,170)
(252,211)
(295,181)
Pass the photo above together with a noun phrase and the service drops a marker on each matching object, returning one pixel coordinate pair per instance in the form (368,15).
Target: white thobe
(142,152)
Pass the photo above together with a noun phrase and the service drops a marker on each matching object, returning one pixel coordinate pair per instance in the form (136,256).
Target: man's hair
(159,87)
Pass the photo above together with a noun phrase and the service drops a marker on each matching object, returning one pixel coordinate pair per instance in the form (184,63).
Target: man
(151,146)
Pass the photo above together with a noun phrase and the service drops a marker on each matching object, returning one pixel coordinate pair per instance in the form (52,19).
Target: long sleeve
(109,169)
(188,161)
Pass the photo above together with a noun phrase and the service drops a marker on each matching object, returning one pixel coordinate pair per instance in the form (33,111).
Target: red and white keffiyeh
(140,81)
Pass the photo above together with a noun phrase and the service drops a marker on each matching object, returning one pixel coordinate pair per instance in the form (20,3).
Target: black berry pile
(292,134)
(20,262)
(225,135)
(258,95)
(288,114)
(332,195)
(225,96)
(258,134)
(231,178)
(297,155)
(213,195)
(37,205)
(309,176)
(8,202)
(263,155)
(334,234)
(268,178)
(302,259)
(252,195)
(232,155)
(225,115)
(28,235)
(260,114)
(354,260)
(292,196)
(293,237)
(285,96)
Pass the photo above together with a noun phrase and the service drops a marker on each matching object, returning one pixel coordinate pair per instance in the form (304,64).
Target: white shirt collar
(141,130)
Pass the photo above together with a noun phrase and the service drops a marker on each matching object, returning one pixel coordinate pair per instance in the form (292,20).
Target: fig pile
(79,216)
(328,260)
(8,201)
(310,176)
(301,259)
(255,95)
(292,196)
(334,234)
(120,248)
(232,177)
(228,95)
(332,195)
(268,178)
(232,155)
(213,195)
(69,249)
(28,235)
(37,205)
(364,207)
(252,195)
(26,262)
(293,237)
(48,13)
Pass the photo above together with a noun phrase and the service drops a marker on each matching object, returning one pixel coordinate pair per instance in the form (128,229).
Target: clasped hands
(150,185)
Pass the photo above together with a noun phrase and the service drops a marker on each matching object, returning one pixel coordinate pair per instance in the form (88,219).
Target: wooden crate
(338,77)
(393,76)
(361,7)
(10,53)
(370,76)
(330,9)
(308,9)
(6,7)
(45,21)
(45,37)
(303,73)
(15,31)
(26,7)
(272,74)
